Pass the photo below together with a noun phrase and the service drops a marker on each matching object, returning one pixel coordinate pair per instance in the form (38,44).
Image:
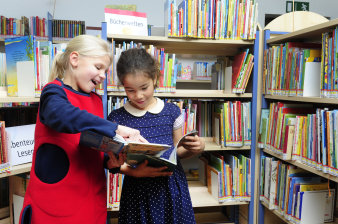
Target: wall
(93,11)
(90,11)
(325,8)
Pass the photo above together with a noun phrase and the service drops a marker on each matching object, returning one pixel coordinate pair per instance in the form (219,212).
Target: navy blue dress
(161,199)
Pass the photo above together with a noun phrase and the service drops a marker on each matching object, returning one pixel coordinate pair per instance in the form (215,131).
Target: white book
(26,78)
(312,79)
(228,79)
(313,207)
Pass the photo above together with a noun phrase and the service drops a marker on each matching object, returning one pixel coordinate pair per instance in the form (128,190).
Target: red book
(237,66)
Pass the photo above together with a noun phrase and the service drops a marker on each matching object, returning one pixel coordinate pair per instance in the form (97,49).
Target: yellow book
(313,187)
(221,126)
(299,136)
(170,72)
(189,17)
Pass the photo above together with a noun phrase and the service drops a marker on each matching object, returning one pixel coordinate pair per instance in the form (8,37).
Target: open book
(137,152)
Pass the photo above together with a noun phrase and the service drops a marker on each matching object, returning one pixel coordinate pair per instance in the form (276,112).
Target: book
(136,152)
(237,66)
(20,49)
(156,160)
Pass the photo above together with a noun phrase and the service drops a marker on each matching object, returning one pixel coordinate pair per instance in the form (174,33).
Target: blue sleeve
(59,114)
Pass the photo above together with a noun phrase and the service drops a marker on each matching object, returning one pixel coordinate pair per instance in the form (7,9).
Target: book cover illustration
(17,49)
(118,144)
(137,152)
(156,160)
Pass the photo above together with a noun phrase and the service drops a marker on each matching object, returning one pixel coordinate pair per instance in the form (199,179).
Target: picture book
(156,160)
(19,49)
(136,152)
(118,144)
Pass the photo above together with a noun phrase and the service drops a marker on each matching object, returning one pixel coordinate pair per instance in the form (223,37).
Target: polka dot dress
(155,200)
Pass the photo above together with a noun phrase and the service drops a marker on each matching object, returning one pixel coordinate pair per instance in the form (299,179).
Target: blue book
(226,12)
(324,140)
(296,179)
(301,204)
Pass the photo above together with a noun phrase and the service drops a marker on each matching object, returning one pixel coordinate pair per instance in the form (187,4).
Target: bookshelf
(23,168)
(19,99)
(194,94)
(311,34)
(200,196)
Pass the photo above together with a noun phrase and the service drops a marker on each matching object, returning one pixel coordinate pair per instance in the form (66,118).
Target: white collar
(157,108)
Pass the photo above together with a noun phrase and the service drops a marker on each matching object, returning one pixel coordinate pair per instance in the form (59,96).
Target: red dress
(80,195)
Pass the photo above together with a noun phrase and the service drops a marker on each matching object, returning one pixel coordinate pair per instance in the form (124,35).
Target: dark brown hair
(136,60)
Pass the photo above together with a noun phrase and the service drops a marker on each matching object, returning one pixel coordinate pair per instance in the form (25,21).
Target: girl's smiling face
(86,72)
(140,90)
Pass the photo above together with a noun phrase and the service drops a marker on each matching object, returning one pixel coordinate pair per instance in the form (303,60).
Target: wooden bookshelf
(188,45)
(198,93)
(303,166)
(277,213)
(303,99)
(313,33)
(192,81)
(23,168)
(210,145)
(9,99)
(200,196)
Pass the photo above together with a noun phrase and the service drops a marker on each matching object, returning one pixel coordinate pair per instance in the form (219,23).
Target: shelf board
(14,99)
(210,145)
(283,218)
(303,99)
(183,93)
(276,213)
(188,45)
(313,33)
(303,166)
(212,217)
(23,168)
(200,196)
(192,81)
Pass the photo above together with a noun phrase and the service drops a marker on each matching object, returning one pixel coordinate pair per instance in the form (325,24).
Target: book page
(192,133)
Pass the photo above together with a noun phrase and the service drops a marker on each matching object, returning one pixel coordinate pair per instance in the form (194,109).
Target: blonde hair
(85,45)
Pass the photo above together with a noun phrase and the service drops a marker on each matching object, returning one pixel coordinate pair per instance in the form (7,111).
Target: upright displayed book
(20,66)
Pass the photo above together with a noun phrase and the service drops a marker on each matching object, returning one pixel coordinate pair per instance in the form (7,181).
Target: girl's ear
(74,58)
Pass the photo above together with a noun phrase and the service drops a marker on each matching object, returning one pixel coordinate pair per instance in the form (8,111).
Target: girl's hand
(114,162)
(130,134)
(193,144)
(143,170)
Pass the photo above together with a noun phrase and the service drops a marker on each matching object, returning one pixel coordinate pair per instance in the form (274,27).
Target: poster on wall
(126,22)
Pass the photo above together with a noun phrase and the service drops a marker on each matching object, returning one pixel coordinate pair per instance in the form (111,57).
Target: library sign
(126,22)
(299,6)
(20,141)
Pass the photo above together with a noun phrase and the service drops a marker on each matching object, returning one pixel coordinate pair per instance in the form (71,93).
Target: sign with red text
(126,22)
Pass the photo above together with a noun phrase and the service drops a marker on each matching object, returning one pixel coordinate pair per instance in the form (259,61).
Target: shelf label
(126,22)
(20,140)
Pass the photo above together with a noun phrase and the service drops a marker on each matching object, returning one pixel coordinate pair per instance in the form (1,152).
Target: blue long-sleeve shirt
(59,114)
